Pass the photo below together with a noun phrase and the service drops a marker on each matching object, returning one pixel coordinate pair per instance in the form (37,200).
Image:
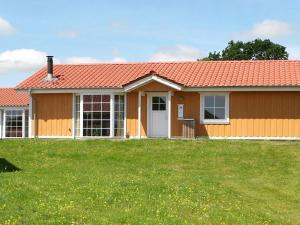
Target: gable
(149,78)
(155,86)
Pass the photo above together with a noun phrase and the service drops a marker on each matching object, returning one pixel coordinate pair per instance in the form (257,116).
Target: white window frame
(81,114)
(113,123)
(214,121)
(1,123)
(112,105)
(3,128)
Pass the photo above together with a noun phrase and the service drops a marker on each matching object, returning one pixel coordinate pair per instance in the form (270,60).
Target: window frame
(202,109)
(112,113)
(119,112)
(159,103)
(82,115)
(3,121)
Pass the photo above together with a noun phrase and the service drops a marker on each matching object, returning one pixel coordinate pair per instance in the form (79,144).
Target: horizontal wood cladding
(260,114)
(53,114)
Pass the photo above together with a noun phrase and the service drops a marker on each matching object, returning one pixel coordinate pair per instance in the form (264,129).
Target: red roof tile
(190,74)
(10,98)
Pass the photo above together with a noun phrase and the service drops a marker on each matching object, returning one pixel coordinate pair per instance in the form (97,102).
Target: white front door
(158,115)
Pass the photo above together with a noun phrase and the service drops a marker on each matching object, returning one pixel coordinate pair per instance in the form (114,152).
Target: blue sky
(119,31)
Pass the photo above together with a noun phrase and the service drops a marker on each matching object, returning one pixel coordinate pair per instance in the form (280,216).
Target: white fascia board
(229,89)
(14,107)
(77,90)
(149,79)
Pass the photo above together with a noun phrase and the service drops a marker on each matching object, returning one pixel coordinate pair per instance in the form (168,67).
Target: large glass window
(14,123)
(77,115)
(215,108)
(119,116)
(26,122)
(96,115)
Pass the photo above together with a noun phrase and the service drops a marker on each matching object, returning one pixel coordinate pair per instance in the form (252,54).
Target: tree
(252,50)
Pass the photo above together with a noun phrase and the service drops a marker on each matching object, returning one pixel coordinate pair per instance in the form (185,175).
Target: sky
(87,31)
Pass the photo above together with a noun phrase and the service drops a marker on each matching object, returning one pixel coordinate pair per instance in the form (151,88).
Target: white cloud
(21,60)
(29,60)
(5,27)
(69,34)
(177,53)
(267,29)
(88,60)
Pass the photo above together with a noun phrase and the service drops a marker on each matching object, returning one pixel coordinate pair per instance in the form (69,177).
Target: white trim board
(150,78)
(251,138)
(73,90)
(166,82)
(15,108)
(228,89)
(1,123)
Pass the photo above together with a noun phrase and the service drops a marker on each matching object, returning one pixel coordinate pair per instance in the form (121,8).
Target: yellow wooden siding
(132,113)
(260,114)
(252,114)
(53,114)
(191,102)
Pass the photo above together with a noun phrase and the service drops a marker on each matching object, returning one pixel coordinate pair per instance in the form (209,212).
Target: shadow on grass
(6,166)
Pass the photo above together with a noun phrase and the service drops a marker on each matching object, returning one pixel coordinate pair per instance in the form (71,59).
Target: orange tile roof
(10,98)
(189,74)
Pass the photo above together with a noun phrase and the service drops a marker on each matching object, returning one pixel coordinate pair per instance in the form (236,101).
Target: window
(159,103)
(26,122)
(96,115)
(214,108)
(119,116)
(77,115)
(14,123)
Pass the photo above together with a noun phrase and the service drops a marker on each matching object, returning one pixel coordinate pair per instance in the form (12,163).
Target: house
(14,114)
(215,99)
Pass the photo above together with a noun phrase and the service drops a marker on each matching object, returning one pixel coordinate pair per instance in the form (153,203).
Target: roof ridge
(124,63)
(177,62)
(12,88)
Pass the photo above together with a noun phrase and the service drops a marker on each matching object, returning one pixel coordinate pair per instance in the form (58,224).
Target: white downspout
(169,114)
(139,113)
(125,115)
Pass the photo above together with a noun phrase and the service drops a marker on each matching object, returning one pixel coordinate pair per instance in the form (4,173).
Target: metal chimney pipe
(50,67)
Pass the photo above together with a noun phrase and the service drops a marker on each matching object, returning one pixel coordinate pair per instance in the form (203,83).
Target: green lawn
(150,182)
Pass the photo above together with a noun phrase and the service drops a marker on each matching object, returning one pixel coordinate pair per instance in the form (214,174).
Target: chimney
(50,75)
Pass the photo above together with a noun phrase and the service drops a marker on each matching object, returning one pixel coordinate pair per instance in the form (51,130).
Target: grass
(150,182)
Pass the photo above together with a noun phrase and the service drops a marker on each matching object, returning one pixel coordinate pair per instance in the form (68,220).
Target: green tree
(252,50)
